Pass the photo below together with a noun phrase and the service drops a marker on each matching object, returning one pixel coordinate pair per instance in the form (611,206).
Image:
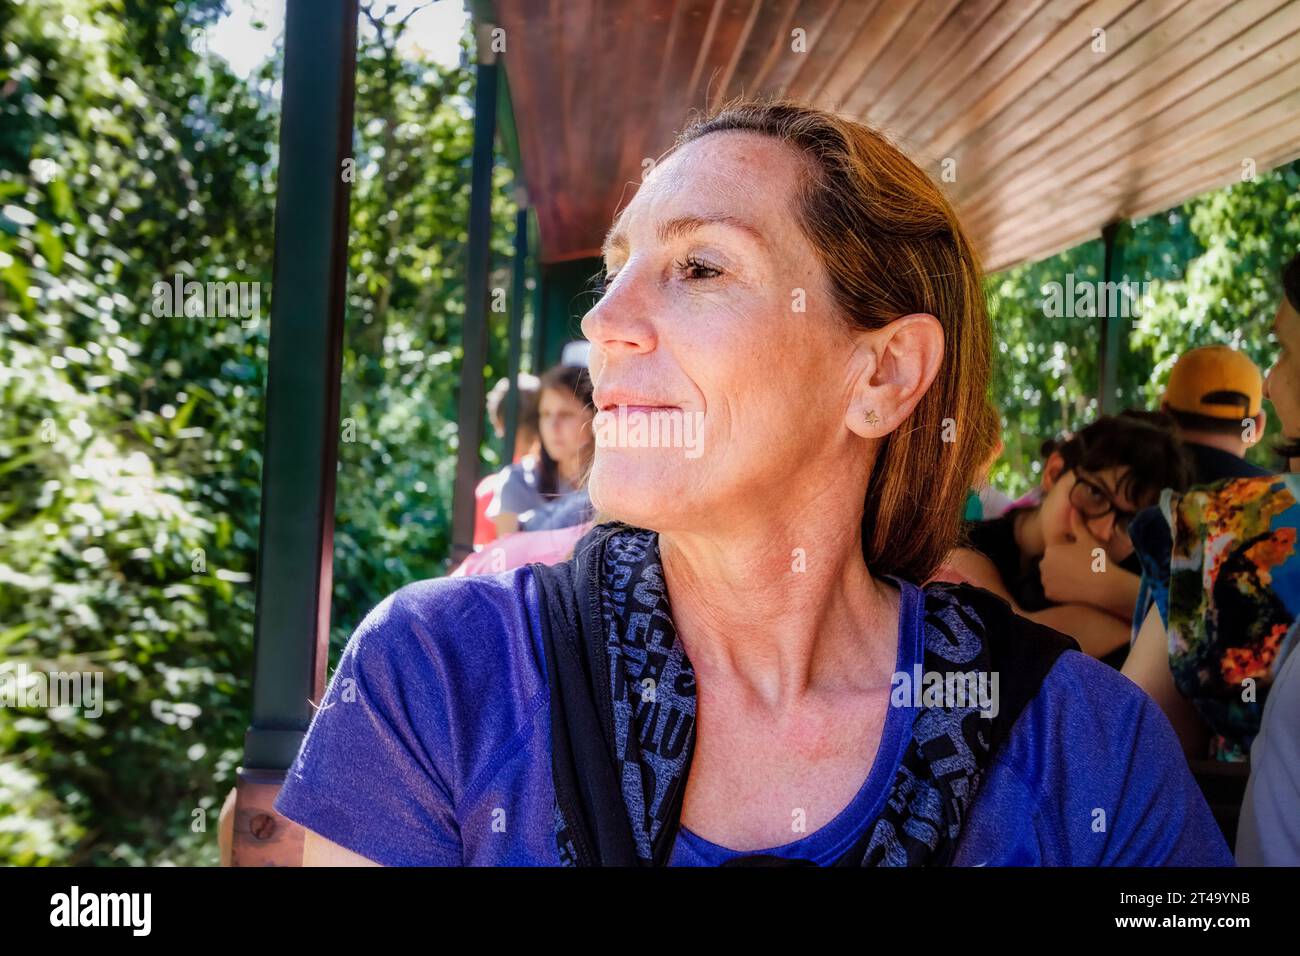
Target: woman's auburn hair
(891,246)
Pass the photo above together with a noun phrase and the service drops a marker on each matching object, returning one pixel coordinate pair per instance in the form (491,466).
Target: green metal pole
(474,344)
(1111,328)
(515,340)
(309,286)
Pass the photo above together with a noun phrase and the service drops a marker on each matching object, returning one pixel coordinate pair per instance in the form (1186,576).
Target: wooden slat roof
(1051,137)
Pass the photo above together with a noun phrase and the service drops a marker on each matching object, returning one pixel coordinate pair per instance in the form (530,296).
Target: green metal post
(567,295)
(1112,326)
(309,287)
(515,336)
(474,336)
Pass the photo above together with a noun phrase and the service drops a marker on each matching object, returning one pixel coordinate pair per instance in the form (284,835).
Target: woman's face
(1282,385)
(716,314)
(565,424)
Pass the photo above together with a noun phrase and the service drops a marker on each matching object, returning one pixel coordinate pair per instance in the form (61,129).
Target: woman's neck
(785,608)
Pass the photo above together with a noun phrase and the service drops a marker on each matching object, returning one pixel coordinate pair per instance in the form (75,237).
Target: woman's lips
(641,408)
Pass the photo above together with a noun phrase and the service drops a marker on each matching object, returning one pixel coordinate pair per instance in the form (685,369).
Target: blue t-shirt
(432,746)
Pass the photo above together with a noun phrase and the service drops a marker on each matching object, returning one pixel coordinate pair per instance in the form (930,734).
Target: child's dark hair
(1143,442)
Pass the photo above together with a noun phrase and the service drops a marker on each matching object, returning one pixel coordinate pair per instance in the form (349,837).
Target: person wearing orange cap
(1214,395)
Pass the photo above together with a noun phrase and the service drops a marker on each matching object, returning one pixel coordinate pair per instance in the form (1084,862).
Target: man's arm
(1117,592)
(1147,666)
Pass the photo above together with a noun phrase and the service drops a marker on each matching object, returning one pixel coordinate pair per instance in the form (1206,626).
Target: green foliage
(130,442)
(130,445)
(401,372)
(1213,265)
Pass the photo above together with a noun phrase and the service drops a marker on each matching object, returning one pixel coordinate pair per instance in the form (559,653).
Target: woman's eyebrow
(681,225)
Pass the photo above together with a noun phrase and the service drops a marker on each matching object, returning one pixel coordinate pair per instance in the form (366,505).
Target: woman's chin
(636,486)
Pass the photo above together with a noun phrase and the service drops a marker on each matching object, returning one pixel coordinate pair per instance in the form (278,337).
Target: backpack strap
(595,827)
(1021,651)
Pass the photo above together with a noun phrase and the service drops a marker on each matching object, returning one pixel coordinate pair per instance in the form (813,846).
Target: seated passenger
(724,673)
(536,496)
(1213,396)
(527,445)
(1068,562)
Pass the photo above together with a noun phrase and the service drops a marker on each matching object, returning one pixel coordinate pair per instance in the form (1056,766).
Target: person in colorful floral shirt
(1222,569)
(1217,617)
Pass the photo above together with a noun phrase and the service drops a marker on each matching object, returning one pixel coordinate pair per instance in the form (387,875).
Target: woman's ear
(1052,470)
(902,362)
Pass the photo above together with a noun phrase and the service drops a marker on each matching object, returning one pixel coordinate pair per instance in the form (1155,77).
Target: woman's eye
(693,268)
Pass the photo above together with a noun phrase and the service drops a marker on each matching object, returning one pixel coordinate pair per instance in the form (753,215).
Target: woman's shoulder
(1091,724)
(459,658)
(436,688)
(1103,775)
(1062,686)
(467,626)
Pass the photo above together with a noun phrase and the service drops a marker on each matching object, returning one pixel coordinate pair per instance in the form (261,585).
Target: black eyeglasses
(1093,501)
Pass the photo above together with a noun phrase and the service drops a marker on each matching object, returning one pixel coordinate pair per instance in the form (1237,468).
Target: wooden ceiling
(1050,137)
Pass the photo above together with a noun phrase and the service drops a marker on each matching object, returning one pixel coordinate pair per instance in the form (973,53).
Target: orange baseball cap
(1217,382)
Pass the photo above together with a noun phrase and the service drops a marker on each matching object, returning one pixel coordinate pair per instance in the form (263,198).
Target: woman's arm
(1148,667)
(318,851)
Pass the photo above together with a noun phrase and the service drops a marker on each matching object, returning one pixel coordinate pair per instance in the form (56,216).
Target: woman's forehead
(552,397)
(737,178)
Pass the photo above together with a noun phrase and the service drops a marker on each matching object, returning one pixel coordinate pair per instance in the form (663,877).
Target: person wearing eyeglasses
(1068,562)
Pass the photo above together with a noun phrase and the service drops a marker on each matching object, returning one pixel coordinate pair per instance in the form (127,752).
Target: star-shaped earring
(872,418)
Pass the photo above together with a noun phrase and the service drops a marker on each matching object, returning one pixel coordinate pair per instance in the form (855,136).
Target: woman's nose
(620,321)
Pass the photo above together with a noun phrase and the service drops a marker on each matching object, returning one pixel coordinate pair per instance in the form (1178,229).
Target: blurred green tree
(1213,265)
(130,445)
